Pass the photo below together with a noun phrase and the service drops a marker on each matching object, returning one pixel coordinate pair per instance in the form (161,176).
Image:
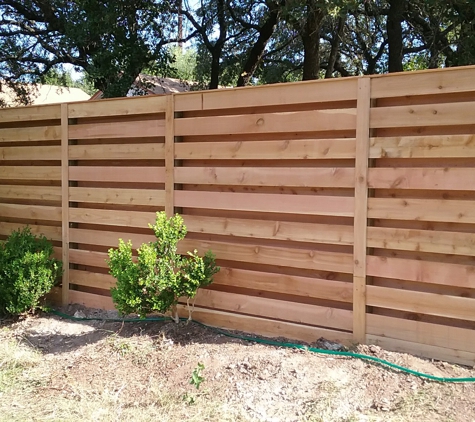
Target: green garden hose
(381,362)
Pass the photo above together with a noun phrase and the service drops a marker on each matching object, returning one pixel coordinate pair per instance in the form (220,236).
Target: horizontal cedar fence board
(91,300)
(43,193)
(453,146)
(422,178)
(51,233)
(30,153)
(117,174)
(302,121)
(423,83)
(263,229)
(420,302)
(271,308)
(457,211)
(117,107)
(117,152)
(434,352)
(118,196)
(109,239)
(89,258)
(28,134)
(45,173)
(269,95)
(285,257)
(32,212)
(450,114)
(90,279)
(421,271)
(285,284)
(267,176)
(263,326)
(139,129)
(293,204)
(119,218)
(32,113)
(422,241)
(300,149)
(421,332)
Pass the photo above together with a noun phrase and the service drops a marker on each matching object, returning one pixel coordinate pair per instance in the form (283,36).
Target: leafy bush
(159,276)
(27,271)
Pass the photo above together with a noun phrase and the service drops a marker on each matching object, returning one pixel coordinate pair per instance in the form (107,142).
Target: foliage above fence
(341,208)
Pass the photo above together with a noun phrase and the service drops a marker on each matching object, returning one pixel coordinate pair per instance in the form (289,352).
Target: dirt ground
(54,369)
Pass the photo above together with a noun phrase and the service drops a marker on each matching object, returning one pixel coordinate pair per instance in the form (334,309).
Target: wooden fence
(341,208)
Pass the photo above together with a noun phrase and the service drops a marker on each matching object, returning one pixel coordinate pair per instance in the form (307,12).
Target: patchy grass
(16,363)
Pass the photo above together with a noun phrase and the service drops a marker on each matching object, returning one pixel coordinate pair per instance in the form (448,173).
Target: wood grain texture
(450,114)
(117,152)
(31,113)
(116,218)
(115,130)
(434,146)
(361,209)
(297,149)
(118,107)
(118,174)
(65,202)
(442,242)
(45,173)
(456,211)
(30,212)
(33,193)
(264,326)
(421,302)
(30,153)
(422,178)
(91,279)
(152,197)
(422,332)
(267,176)
(170,157)
(434,81)
(276,94)
(293,204)
(415,348)
(270,308)
(304,121)
(422,271)
(267,255)
(265,229)
(285,284)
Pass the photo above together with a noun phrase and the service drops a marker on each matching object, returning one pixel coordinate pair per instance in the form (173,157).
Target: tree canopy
(230,42)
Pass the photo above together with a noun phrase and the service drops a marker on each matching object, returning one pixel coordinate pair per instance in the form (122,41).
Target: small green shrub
(159,276)
(27,271)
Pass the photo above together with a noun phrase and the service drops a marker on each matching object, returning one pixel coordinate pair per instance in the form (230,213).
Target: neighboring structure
(153,85)
(45,94)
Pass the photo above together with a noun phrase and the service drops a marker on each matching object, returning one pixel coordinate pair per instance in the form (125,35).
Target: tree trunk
(257,50)
(215,69)
(311,41)
(394,29)
(335,46)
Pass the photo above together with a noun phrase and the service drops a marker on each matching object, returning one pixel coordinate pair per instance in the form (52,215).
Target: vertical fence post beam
(170,156)
(361,208)
(65,202)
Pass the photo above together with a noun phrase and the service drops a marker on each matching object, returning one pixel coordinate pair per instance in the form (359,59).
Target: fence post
(361,208)
(170,156)
(65,202)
